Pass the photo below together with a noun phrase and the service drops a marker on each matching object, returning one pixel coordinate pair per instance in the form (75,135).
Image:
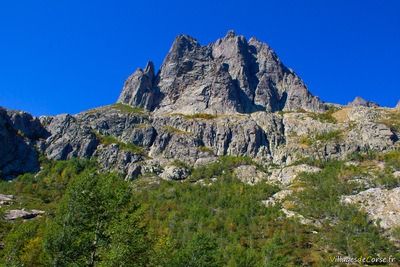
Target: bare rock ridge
(231,75)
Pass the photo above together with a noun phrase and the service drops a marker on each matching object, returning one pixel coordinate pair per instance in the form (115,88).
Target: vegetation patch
(173,130)
(306,140)
(335,135)
(123,108)
(387,180)
(392,159)
(109,139)
(223,166)
(205,149)
(204,116)
(324,137)
(391,119)
(326,117)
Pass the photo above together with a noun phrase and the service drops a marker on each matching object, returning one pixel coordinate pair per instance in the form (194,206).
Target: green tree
(86,223)
(200,251)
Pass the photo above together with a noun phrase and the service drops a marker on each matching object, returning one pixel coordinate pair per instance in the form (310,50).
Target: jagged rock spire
(139,89)
(228,76)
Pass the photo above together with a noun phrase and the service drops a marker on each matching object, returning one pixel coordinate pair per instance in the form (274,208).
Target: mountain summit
(230,75)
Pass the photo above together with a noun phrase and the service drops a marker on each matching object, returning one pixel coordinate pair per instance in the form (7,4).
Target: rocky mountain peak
(230,34)
(182,45)
(230,75)
(359,101)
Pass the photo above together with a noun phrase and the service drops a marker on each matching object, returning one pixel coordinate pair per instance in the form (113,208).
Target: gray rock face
(69,138)
(18,132)
(231,75)
(359,101)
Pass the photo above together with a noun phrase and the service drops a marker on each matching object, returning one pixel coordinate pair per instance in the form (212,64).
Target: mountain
(231,97)
(214,112)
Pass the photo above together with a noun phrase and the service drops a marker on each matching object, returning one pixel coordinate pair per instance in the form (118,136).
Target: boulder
(287,175)
(249,174)
(174,173)
(6,199)
(22,214)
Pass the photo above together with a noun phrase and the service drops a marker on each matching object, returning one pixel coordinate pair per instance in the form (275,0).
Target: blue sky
(67,56)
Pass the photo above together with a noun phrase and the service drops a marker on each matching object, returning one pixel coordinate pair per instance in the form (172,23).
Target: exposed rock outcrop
(285,176)
(22,214)
(381,205)
(249,174)
(6,199)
